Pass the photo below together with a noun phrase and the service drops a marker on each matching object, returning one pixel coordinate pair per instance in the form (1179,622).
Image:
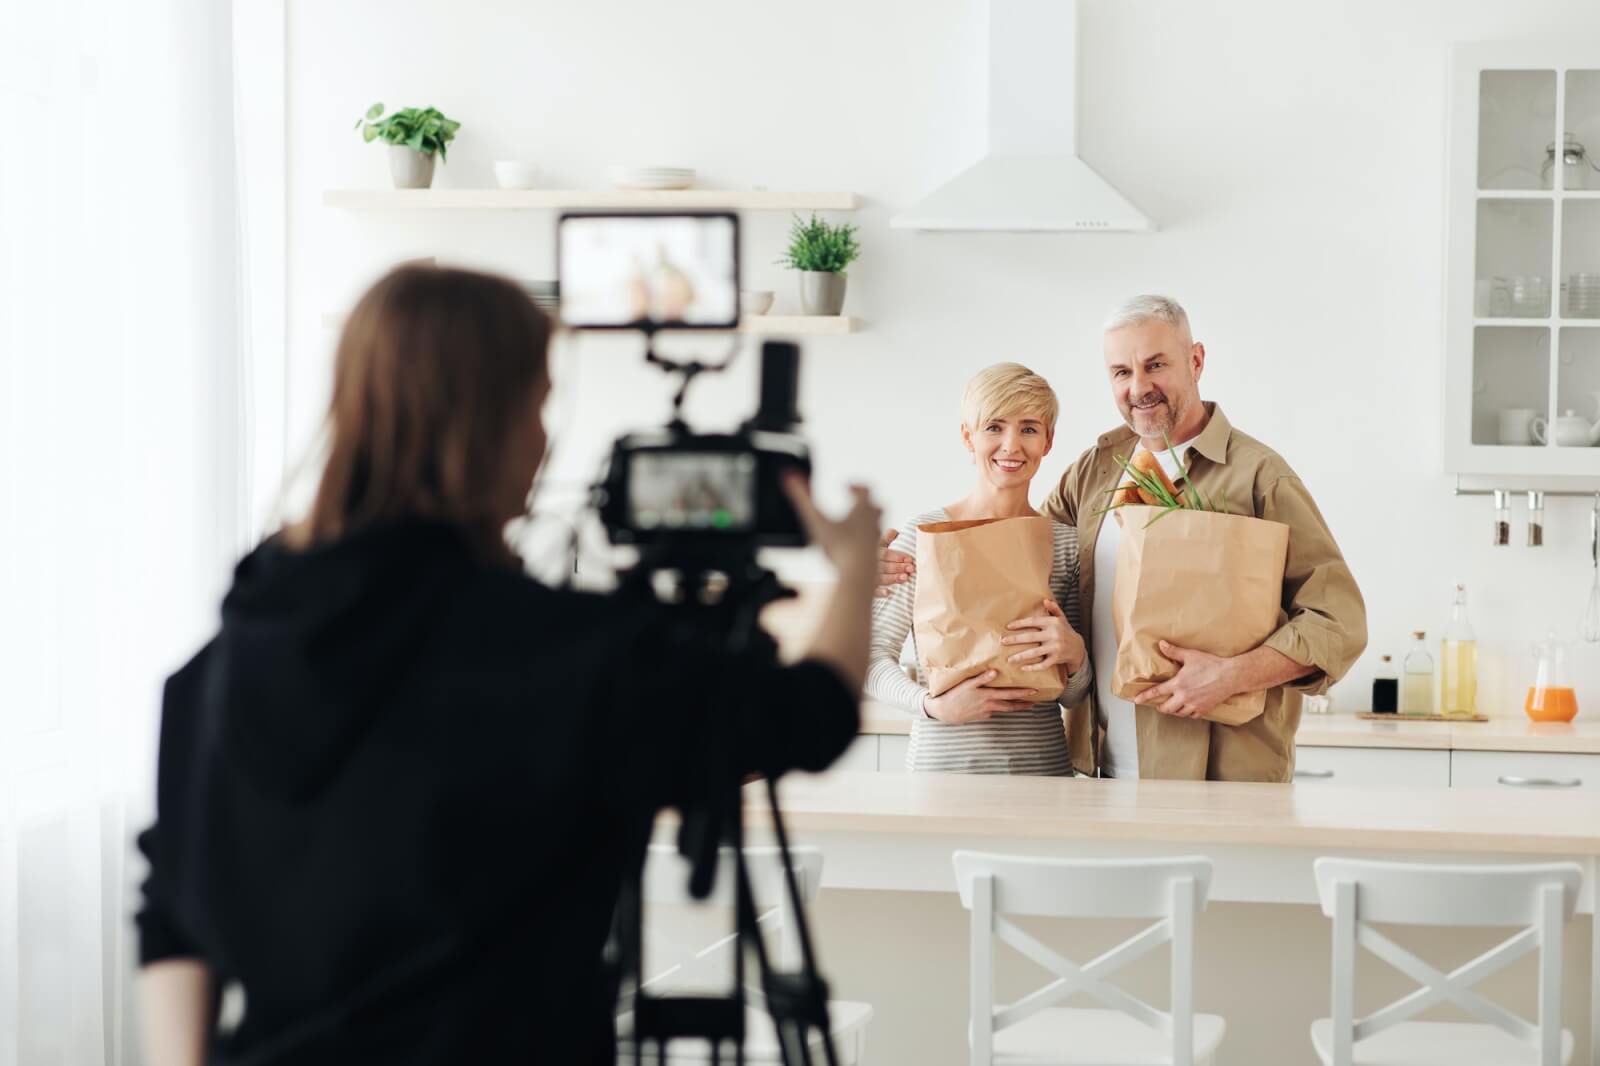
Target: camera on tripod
(672,490)
(699,505)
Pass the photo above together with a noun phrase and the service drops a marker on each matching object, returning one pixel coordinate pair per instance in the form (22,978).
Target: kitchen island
(890,837)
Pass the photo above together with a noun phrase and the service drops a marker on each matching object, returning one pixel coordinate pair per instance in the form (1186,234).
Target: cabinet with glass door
(1522,277)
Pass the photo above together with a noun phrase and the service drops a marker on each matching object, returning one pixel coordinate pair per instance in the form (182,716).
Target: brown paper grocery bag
(973,579)
(1197,579)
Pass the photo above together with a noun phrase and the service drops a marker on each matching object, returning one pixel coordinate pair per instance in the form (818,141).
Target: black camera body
(676,490)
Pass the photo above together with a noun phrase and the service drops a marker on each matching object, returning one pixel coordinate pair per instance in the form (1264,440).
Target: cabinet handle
(1541,782)
(1320,775)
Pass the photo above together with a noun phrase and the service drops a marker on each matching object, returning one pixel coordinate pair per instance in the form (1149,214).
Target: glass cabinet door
(1523,295)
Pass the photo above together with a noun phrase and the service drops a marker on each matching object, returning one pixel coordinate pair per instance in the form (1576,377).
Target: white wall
(1293,155)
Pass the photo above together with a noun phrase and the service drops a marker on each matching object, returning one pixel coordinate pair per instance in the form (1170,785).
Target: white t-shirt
(1120,755)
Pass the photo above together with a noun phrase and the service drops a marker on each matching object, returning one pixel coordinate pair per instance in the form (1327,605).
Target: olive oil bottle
(1458,663)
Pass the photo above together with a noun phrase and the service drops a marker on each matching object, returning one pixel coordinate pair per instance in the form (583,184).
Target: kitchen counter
(1188,814)
(896,833)
(1347,731)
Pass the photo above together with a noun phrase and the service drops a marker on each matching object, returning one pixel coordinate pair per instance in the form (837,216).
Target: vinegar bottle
(1385,688)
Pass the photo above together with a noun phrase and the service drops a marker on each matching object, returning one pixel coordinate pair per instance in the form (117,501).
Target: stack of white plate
(1583,295)
(652,177)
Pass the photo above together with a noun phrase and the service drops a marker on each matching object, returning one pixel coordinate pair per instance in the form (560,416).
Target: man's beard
(1157,420)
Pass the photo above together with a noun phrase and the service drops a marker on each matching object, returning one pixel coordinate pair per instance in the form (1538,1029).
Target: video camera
(698,505)
(673,491)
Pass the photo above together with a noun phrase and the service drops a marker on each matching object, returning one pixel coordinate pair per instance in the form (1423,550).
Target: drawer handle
(1320,775)
(1541,782)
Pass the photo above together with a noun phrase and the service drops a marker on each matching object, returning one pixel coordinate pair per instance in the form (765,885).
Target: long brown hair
(433,371)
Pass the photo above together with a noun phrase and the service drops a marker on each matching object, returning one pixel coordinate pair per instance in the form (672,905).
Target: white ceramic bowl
(513,174)
(755,301)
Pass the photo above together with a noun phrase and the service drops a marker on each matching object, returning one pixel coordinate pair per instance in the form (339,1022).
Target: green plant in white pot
(820,251)
(414,136)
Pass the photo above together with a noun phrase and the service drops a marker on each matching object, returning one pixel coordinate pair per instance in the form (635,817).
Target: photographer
(399,790)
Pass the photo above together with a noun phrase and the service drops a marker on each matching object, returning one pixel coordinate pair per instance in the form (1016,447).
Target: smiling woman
(1008,417)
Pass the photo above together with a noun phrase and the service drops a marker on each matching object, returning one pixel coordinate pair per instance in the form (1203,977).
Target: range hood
(1030,177)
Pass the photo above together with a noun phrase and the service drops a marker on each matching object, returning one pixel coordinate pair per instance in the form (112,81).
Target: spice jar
(1502,518)
(1535,519)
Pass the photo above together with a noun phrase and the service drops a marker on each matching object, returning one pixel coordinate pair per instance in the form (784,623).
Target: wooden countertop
(1347,731)
(1188,813)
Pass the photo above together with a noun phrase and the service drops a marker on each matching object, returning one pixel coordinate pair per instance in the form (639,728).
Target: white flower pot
(410,168)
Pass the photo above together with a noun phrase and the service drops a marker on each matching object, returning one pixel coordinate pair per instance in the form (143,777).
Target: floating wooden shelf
(760,325)
(800,325)
(587,199)
(1522,323)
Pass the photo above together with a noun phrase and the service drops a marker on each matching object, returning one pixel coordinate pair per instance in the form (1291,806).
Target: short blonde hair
(1008,389)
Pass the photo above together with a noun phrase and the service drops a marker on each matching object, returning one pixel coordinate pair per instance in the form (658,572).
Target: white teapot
(1594,430)
(1572,430)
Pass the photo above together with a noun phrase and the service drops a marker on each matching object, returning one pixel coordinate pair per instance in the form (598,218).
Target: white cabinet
(1516,769)
(1522,283)
(1399,767)
(862,754)
(872,751)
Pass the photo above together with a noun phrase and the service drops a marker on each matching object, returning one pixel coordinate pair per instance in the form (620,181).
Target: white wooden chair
(665,882)
(1034,1031)
(1355,893)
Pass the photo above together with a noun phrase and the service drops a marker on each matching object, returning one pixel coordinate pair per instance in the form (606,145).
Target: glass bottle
(1385,688)
(1416,693)
(1535,519)
(1502,518)
(1551,696)
(1458,666)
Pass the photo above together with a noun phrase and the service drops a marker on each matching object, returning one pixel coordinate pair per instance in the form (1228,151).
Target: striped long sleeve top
(1033,741)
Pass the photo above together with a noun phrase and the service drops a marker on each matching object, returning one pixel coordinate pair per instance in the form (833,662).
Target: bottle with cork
(1385,688)
(1458,689)
(1416,691)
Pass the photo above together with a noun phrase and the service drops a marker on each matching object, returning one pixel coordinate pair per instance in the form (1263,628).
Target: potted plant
(414,136)
(821,251)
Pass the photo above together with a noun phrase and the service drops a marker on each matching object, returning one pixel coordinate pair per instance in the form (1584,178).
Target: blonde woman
(1008,418)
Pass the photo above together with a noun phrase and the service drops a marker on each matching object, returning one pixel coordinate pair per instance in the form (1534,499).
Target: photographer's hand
(851,544)
(974,701)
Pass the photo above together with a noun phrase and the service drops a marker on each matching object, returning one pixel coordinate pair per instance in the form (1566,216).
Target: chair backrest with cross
(1171,890)
(1537,898)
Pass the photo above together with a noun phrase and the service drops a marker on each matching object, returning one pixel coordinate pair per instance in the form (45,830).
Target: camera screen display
(665,270)
(692,491)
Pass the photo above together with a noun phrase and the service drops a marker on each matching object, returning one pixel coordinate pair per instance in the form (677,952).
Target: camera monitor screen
(691,491)
(669,271)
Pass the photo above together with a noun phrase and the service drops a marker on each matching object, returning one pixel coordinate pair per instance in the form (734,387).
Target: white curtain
(124,447)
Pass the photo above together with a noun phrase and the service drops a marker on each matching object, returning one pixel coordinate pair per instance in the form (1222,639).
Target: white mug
(1521,425)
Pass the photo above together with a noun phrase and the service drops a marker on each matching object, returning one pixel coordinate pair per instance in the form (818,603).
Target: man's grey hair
(1147,308)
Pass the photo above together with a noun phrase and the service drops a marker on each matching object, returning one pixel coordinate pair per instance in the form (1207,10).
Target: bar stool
(1033,1030)
(1354,893)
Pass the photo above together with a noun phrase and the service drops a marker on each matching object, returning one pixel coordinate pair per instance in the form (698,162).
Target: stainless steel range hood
(1030,178)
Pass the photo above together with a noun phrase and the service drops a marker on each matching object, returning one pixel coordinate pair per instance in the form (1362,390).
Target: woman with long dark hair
(399,789)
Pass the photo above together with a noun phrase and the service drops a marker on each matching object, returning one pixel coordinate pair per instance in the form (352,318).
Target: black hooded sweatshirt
(398,790)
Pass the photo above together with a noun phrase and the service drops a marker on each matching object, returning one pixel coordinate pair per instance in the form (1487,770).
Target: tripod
(797,1002)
